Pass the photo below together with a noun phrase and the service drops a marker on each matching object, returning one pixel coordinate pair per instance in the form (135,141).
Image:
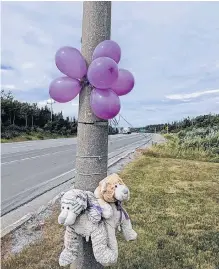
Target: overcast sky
(172,48)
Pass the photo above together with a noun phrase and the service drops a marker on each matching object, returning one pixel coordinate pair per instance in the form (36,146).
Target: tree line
(188,123)
(21,117)
(18,118)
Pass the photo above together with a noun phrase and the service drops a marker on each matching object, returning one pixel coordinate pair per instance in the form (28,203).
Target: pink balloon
(105,104)
(70,62)
(108,48)
(124,84)
(102,72)
(64,89)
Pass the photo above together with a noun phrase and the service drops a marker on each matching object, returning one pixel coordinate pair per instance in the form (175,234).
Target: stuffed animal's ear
(82,199)
(121,181)
(103,186)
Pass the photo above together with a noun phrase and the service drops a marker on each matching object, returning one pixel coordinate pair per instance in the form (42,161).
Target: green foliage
(20,119)
(188,124)
(198,144)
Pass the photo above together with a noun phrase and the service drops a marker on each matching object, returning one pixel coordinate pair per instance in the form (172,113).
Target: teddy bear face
(67,216)
(121,192)
(113,189)
(72,204)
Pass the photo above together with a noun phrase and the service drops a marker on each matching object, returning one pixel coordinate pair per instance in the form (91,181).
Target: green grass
(179,149)
(174,208)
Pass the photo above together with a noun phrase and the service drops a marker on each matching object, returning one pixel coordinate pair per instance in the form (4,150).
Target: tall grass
(199,144)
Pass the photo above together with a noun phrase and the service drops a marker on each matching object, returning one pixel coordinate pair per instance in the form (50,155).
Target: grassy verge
(34,136)
(175,211)
(174,208)
(180,149)
(41,255)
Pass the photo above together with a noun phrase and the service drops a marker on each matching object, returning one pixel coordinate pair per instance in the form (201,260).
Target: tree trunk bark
(14,119)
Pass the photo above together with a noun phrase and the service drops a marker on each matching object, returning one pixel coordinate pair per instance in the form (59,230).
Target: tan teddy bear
(110,194)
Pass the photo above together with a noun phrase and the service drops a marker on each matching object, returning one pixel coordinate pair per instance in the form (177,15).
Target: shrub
(39,130)
(39,136)
(28,137)
(6,135)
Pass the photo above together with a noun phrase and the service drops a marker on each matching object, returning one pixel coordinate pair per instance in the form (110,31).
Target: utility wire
(126,121)
(131,125)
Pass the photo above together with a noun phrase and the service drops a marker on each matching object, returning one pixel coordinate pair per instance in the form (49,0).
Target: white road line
(63,140)
(20,147)
(35,157)
(123,138)
(38,156)
(63,174)
(38,141)
(33,144)
(53,144)
(118,139)
(127,146)
(30,149)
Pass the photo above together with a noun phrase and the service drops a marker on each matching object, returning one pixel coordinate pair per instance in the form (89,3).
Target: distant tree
(15,115)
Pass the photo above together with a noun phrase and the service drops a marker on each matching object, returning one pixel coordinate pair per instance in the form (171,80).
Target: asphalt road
(29,169)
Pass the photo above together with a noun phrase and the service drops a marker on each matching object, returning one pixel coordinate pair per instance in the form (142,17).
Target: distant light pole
(51,102)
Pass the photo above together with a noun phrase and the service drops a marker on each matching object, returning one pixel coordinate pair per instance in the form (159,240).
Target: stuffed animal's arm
(105,249)
(71,250)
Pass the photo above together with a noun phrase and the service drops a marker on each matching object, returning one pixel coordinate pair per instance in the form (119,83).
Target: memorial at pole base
(97,217)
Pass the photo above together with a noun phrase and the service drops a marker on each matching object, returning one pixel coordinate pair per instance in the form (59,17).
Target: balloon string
(84,82)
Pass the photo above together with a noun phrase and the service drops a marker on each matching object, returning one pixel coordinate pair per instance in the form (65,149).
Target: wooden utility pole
(92,137)
(51,102)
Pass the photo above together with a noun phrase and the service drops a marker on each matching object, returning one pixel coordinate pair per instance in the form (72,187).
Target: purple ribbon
(98,208)
(122,210)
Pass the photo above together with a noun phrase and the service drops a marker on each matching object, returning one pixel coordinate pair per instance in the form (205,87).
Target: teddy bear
(81,214)
(110,194)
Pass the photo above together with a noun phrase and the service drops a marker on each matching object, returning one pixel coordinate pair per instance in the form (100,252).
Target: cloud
(192,95)
(170,47)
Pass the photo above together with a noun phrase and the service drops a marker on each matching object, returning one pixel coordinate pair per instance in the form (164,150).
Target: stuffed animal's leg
(128,233)
(71,250)
(105,251)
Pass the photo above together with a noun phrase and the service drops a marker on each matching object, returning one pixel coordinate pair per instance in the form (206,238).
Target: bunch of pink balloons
(108,81)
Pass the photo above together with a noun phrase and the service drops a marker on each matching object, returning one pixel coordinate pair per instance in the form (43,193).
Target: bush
(39,130)
(68,132)
(28,137)
(41,137)
(215,160)
(33,129)
(9,134)
(6,135)
(14,128)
